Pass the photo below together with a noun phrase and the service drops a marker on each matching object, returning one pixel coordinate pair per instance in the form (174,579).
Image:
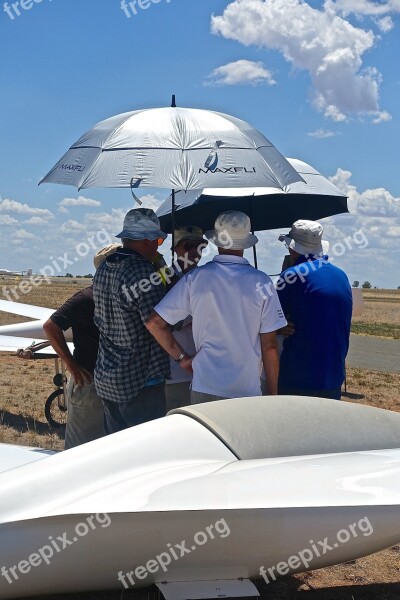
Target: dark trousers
(147,405)
(331,394)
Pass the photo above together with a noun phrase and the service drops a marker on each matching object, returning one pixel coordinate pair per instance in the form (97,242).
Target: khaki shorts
(85,417)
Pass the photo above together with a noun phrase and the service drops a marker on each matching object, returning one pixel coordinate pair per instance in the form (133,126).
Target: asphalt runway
(378,354)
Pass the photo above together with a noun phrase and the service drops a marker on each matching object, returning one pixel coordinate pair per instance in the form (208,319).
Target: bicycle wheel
(55,411)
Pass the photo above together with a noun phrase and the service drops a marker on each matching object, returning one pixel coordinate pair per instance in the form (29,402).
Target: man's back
(317,298)
(128,355)
(77,313)
(228,316)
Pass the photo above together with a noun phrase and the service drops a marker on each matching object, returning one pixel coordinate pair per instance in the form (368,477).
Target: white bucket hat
(232,231)
(141,224)
(305,237)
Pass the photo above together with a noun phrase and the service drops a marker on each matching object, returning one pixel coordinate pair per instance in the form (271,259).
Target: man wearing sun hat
(233,325)
(189,244)
(131,367)
(317,300)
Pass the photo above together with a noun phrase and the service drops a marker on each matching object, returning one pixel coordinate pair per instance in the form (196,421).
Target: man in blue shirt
(316,298)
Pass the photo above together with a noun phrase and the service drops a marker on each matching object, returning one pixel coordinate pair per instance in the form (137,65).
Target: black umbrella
(268,208)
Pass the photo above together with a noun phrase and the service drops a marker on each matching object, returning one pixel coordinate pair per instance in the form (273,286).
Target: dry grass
(381,314)
(49,296)
(25,385)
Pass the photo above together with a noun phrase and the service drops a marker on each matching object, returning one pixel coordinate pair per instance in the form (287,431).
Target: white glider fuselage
(163,483)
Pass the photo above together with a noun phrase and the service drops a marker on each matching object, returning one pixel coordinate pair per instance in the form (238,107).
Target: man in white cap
(234,328)
(317,300)
(131,367)
(85,417)
(189,244)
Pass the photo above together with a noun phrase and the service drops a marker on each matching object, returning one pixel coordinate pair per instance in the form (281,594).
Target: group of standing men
(187,334)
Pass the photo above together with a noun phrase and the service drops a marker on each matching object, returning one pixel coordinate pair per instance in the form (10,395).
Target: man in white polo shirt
(234,326)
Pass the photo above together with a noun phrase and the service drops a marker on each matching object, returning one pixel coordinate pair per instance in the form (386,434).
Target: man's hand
(269,349)
(186,364)
(80,375)
(288,330)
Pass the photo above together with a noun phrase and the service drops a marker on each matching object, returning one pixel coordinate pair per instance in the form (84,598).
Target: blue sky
(320,80)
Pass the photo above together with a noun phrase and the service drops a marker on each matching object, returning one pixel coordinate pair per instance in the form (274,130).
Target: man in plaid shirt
(131,367)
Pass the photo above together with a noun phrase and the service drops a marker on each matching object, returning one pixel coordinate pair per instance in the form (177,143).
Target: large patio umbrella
(315,197)
(173,148)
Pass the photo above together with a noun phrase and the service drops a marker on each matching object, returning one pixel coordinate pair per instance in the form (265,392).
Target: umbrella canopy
(173,148)
(268,208)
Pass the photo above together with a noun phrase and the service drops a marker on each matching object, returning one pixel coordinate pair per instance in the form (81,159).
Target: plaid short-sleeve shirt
(125,289)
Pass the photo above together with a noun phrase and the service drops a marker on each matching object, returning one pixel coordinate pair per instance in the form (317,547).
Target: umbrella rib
(159,148)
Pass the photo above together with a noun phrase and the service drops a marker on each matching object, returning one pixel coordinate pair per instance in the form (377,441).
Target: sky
(321,80)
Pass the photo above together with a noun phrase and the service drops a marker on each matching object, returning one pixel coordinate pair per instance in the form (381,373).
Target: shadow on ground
(351,396)
(23,424)
(287,588)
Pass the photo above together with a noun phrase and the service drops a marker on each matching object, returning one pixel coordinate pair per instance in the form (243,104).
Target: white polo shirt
(230,306)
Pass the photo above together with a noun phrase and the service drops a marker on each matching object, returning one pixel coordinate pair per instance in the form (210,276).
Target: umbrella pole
(173,225)
(173,105)
(255,255)
(250,213)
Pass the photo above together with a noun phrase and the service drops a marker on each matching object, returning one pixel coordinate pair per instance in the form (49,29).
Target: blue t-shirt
(316,296)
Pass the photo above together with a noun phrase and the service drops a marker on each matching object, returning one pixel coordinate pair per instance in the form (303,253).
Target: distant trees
(366,285)
(356,284)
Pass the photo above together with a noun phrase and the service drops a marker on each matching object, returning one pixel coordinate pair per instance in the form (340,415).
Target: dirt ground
(24,386)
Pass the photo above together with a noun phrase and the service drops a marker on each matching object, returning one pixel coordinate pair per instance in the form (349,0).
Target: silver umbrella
(172,148)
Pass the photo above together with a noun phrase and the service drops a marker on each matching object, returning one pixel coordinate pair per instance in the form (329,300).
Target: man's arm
(269,350)
(161,331)
(56,337)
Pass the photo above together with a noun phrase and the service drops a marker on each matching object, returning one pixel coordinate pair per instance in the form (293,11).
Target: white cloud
(63,210)
(321,42)
(7,220)
(376,202)
(363,7)
(35,221)
(241,72)
(72,226)
(12,206)
(382,117)
(385,24)
(80,201)
(150,201)
(322,133)
(22,234)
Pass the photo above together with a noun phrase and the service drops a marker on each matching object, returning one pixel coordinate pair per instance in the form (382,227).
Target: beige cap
(188,233)
(102,254)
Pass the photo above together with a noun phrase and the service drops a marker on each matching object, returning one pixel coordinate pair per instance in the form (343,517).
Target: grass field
(381,314)
(24,386)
